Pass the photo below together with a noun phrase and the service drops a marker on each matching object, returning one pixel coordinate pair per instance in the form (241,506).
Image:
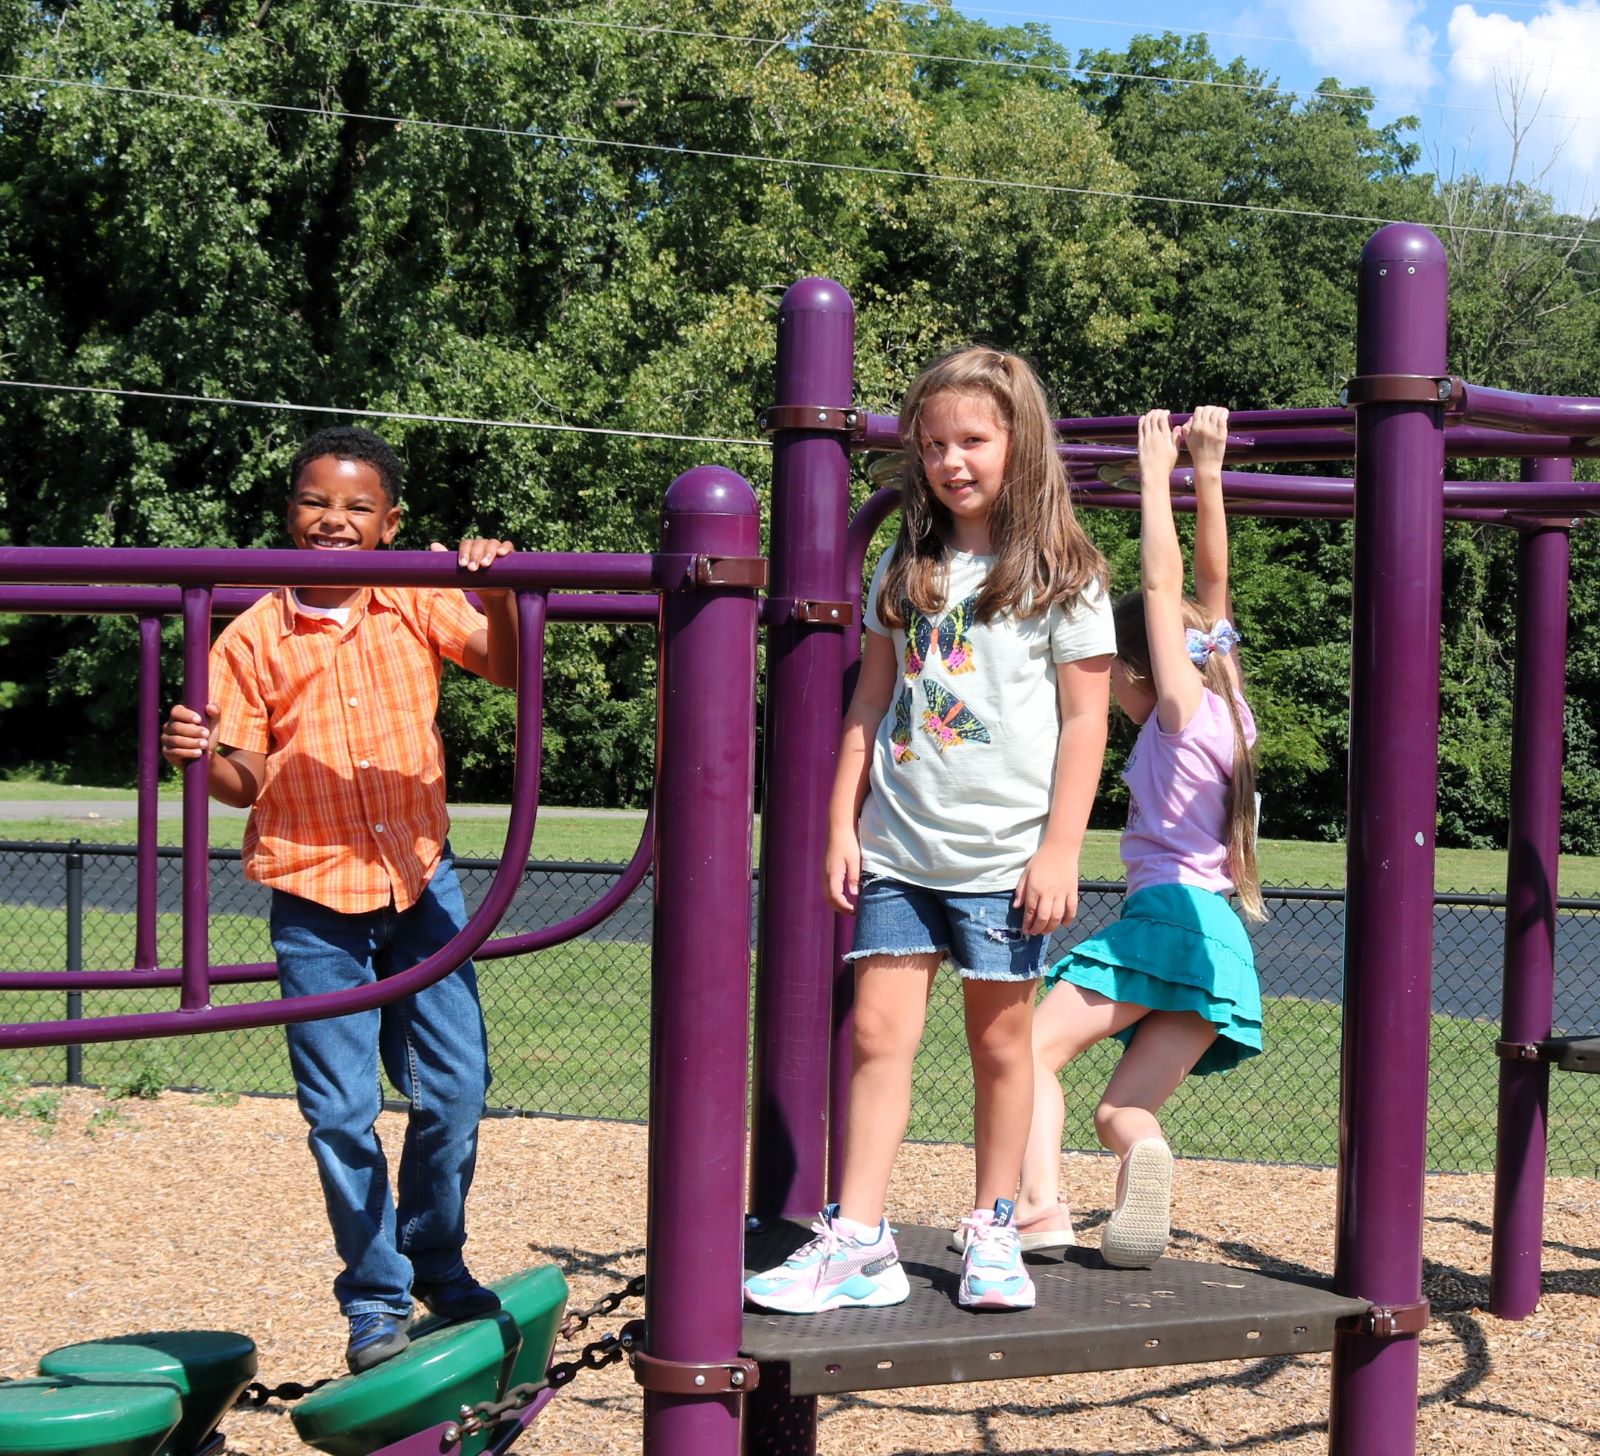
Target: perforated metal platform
(1572,1053)
(1088,1317)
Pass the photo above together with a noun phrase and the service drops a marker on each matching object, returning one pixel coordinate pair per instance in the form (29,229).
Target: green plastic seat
(208,1369)
(426,1383)
(536,1299)
(68,1416)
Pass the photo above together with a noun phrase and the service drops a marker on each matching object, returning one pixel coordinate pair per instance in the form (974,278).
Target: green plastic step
(68,1416)
(208,1369)
(426,1383)
(536,1299)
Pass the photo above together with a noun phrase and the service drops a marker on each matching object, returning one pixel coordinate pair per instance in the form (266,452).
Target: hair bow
(1222,638)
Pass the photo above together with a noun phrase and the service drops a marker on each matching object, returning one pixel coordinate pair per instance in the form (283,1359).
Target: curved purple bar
(116,566)
(585,920)
(875,510)
(519,838)
(247,972)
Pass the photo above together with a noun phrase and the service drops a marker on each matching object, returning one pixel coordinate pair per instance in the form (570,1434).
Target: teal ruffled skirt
(1176,948)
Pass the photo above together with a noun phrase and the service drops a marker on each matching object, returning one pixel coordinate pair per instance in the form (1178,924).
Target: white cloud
(1381,44)
(1543,68)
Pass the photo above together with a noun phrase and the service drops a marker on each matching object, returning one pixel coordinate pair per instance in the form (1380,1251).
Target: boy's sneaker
(374,1337)
(456,1299)
(832,1271)
(992,1276)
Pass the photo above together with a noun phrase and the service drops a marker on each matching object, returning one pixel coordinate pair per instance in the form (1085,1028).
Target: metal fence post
(1532,850)
(700,974)
(1401,303)
(74,862)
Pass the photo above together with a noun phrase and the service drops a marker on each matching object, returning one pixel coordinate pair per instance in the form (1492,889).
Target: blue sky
(1471,73)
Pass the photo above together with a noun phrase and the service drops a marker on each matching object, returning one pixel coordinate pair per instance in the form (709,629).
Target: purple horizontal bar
(521,571)
(1528,413)
(519,838)
(1300,439)
(159,601)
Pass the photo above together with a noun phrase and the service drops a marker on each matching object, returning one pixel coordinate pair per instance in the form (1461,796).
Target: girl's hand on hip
(1048,892)
(1158,447)
(1205,437)
(841,871)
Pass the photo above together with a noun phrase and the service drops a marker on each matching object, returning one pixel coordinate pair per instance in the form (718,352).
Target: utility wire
(851,168)
(332,409)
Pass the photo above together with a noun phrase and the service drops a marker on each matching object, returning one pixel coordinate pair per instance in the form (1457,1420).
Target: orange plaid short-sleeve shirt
(352,810)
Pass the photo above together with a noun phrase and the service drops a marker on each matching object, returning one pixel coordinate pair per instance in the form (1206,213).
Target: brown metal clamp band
(684,1377)
(693,573)
(1519,1051)
(846,420)
(1390,1321)
(1442,389)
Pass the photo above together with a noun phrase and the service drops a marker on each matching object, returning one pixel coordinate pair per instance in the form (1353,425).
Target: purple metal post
(1534,844)
(149,778)
(1394,734)
(700,965)
(796,956)
(195,994)
(805,661)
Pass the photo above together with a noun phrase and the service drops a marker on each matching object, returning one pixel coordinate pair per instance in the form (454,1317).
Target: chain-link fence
(569,1026)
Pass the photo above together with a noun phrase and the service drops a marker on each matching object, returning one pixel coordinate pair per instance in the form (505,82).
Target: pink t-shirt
(1178,799)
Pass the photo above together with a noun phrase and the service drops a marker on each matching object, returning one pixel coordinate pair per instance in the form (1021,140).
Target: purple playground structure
(718,1381)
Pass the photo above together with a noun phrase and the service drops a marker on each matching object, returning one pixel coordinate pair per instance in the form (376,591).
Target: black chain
(596,1355)
(578,1319)
(255,1395)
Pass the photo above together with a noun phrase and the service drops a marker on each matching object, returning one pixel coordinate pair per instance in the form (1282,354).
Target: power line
(333,409)
(851,168)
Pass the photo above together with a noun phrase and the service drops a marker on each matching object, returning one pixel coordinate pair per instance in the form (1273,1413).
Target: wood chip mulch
(183,1213)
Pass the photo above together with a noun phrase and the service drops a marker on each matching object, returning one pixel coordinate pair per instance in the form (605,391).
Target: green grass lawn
(569,1033)
(612,839)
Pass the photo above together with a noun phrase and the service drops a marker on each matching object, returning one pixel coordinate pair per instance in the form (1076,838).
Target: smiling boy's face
(341,505)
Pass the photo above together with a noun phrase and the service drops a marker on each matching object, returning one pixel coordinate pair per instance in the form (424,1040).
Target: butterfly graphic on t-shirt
(955,646)
(900,735)
(948,720)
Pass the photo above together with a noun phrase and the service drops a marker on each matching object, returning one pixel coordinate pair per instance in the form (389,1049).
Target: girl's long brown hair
(1133,652)
(1043,556)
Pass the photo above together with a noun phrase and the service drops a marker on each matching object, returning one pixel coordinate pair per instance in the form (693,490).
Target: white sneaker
(832,1271)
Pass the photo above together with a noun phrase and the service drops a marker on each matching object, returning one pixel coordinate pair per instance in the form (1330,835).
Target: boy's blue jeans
(435,1050)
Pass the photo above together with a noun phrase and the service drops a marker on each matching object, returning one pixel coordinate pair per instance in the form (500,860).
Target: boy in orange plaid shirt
(322,722)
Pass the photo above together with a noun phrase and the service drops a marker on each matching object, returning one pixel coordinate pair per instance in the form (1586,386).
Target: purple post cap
(1403,242)
(710,490)
(817,295)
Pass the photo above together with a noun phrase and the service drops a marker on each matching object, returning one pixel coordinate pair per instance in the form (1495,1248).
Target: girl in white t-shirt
(969,761)
(1175,977)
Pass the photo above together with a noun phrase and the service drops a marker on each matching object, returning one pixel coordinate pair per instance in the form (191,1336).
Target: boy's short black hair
(351,442)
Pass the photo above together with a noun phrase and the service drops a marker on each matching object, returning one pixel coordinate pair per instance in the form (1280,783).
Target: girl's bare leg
(999,1016)
(1164,1052)
(890,1009)
(1067,1022)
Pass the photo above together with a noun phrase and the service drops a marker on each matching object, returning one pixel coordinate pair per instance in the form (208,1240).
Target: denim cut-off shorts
(979,934)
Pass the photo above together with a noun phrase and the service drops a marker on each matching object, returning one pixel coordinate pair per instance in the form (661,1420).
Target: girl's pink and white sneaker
(832,1271)
(992,1274)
